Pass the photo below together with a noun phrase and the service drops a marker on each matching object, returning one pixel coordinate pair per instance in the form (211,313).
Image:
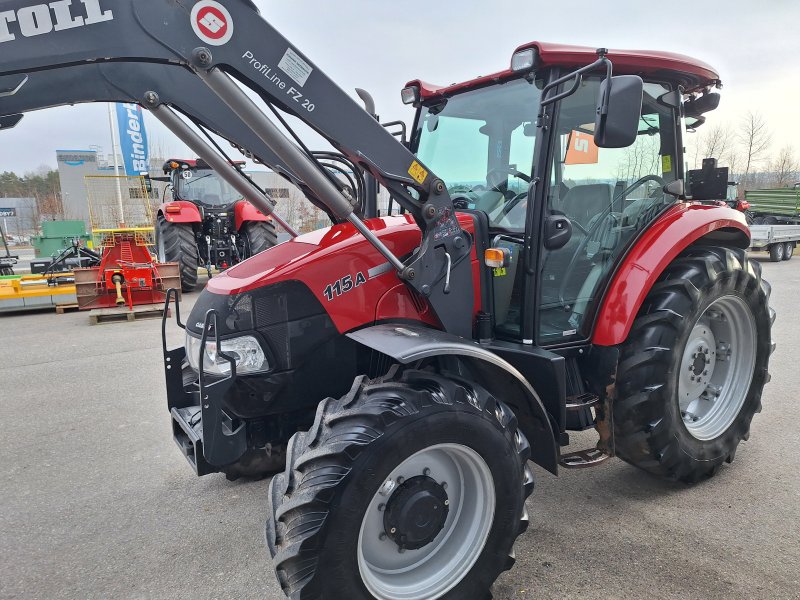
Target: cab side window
(608,195)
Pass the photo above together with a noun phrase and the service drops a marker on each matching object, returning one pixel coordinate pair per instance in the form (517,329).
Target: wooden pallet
(100,316)
(62,308)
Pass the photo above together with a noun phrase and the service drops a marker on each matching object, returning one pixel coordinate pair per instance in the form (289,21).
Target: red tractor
(208,223)
(551,271)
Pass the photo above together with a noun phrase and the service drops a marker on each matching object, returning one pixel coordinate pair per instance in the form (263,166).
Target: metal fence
(119,205)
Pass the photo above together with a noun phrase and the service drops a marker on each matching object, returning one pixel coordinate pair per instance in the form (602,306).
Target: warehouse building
(19,218)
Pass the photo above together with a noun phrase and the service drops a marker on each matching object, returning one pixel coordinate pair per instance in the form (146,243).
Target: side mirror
(676,188)
(619,107)
(557,231)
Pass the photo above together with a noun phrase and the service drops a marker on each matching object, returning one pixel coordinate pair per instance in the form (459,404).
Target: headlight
(245,350)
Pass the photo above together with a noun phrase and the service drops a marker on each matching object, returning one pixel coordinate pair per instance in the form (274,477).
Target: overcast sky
(380,45)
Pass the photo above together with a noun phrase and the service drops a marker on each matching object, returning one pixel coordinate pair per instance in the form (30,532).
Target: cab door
(609,196)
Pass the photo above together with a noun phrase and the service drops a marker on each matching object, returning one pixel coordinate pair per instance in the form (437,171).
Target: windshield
(206,187)
(481,144)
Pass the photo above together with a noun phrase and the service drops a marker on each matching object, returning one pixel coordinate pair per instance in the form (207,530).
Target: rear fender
(187,212)
(244,212)
(678,228)
(409,343)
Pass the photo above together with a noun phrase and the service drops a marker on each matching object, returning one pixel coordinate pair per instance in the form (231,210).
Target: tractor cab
(521,147)
(195,181)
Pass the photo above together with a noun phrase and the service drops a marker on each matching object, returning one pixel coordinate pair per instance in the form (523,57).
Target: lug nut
(382,536)
(381,507)
(447,502)
(387,487)
(400,479)
(393,530)
(426,472)
(444,485)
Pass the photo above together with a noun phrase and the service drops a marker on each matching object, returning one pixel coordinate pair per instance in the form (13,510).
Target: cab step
(581,459)
(580,411)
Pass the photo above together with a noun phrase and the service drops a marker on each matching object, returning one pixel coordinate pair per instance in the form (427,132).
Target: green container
(57,235)
(784,202)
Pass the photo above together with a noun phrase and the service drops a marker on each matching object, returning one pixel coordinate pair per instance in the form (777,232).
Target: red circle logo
(212,23)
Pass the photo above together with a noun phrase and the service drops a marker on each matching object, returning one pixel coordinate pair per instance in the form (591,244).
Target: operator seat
(584,202)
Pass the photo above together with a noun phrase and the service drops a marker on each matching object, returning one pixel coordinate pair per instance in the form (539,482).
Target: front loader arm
(226,41)
(117,82)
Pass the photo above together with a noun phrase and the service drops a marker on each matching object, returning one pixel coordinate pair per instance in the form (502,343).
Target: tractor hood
(340,268)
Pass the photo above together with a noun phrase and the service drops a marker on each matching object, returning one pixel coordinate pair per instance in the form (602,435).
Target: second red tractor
(207,224)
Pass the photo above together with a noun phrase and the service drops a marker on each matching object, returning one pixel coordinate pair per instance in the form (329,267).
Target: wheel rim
(717,367)
(437,567)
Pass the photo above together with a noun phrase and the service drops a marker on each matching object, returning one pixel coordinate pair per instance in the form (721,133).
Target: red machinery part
(180,211)
(244,211)
(143,281)
(679,227)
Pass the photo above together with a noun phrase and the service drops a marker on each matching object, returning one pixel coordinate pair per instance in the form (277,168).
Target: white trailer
(779,240)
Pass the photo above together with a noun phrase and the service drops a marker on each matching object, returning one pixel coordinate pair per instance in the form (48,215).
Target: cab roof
(193,163)
(691,73)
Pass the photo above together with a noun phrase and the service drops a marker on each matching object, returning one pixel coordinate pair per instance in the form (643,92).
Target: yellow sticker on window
(666,164)
(418,172)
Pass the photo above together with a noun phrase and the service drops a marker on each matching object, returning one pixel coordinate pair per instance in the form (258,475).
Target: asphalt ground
(97,502)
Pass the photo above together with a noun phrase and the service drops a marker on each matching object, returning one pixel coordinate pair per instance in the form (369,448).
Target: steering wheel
(640,182)
(507,171)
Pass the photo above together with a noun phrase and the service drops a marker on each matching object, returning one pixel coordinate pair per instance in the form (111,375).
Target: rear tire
(705,289)
(259,236)
(758,220)
(770,220)
(788,250)
(326,530)
(776,252)
(175,242)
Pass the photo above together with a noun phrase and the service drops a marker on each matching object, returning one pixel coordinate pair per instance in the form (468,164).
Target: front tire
(175,243)
(694,365)
(788,250)
(776,252)
(412,486)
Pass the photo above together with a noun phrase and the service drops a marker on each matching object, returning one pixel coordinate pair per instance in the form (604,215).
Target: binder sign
(133,139)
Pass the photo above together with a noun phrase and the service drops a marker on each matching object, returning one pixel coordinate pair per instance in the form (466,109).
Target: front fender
(673,232)
(244,211)
(408,343)
(187,212)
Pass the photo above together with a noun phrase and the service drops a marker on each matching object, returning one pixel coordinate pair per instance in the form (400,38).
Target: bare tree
(716,142)
(755,139)
(710,142)
(784,167)
(642,158)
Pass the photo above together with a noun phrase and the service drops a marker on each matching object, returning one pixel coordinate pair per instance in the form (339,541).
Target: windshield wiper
(198,179)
